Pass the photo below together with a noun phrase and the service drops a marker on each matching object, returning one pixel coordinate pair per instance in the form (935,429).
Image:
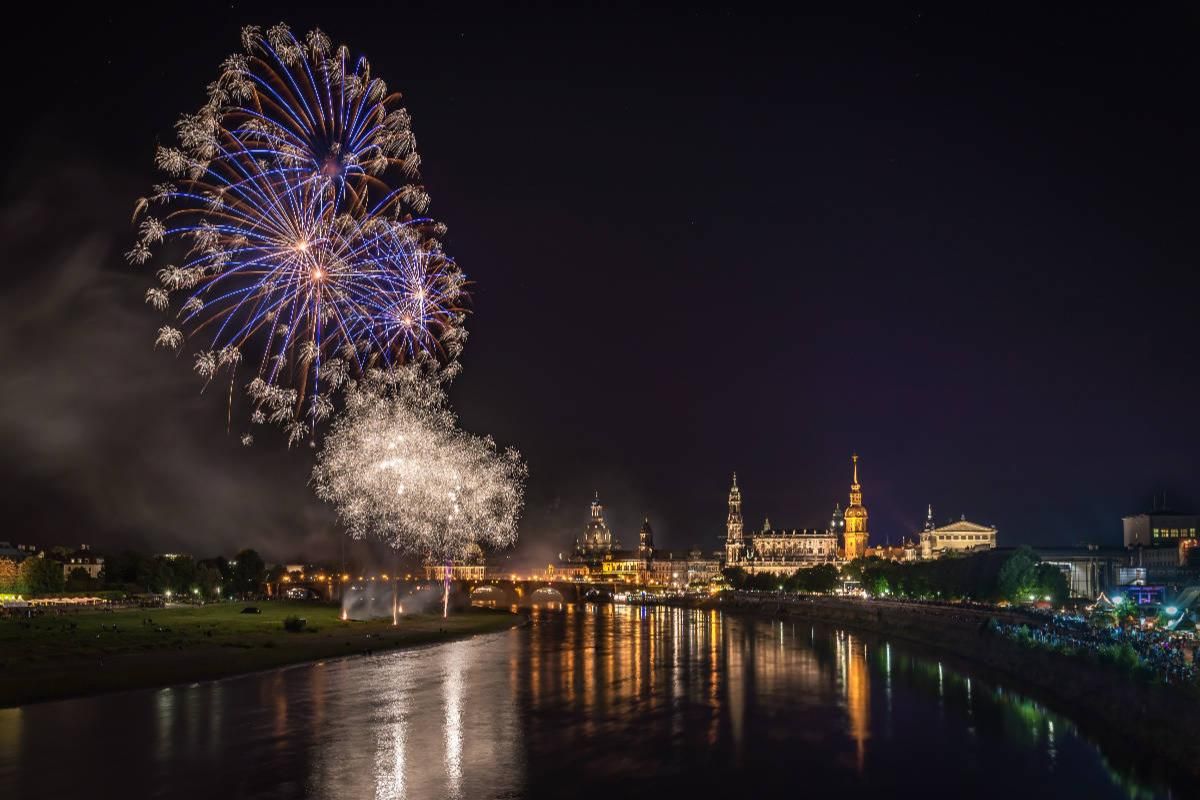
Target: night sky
(962,246)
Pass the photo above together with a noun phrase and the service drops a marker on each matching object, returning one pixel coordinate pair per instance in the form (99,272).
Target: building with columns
(855,536)
(960,536)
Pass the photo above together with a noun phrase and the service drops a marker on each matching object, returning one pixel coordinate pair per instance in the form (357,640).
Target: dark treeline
(823,578)
(182,574)
(137,573)
(1018,576)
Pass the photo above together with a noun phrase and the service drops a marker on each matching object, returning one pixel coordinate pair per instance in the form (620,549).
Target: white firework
(398,468)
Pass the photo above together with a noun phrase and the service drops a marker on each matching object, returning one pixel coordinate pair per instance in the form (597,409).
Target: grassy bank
(52,657)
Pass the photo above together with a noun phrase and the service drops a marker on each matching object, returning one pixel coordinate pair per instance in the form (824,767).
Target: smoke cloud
(103,439)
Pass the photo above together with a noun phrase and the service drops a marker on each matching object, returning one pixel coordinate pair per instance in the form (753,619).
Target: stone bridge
(504,593)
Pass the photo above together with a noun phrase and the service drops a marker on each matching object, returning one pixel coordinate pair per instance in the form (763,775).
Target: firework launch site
(52,656)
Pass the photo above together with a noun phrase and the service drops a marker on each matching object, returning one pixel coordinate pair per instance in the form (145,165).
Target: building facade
(961,536)
(1159,528)
(771,550)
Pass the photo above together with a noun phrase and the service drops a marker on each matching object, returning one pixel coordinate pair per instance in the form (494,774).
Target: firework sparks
(302,239)
(397,468)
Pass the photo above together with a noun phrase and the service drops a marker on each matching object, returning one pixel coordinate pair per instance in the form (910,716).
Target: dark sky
(962,244)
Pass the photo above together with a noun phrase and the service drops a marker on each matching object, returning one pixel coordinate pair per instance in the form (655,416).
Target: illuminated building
(599,551)
(85,560)
(1161,527)
(473,567)
(773,551)
(597,539)
(679,570)
(856,535)
(598,557)
(734,544)
(962,536)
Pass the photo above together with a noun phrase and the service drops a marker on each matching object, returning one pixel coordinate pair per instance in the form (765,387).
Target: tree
(208,578)
(735,576)
(8,575)
(40,576)
(1016,579)
(79,580)
(1050,582)
(182,574)
(821,578)
(248,571)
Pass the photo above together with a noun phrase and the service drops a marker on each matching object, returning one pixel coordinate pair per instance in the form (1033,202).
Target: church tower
(733,526)
(646,539)
(856,520)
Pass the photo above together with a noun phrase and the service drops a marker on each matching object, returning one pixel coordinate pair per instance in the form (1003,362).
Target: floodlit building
(472,567)
(598,557)
(959,537)
(772,550)
(600,552)
(597,539)
(1160,527)
(86,560)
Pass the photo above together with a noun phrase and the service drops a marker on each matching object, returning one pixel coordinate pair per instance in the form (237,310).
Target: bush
(294,624)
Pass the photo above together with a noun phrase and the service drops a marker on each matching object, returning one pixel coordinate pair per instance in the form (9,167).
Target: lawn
(51,657)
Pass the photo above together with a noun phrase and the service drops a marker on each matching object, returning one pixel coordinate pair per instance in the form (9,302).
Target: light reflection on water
(594,701)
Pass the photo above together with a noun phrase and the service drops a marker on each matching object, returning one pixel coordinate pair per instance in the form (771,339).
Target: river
(597,701)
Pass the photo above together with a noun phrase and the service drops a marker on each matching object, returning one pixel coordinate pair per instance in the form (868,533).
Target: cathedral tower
(646,539)
(856,520)
(733,526)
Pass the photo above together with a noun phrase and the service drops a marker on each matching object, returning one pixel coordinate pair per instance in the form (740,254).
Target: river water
(597,701)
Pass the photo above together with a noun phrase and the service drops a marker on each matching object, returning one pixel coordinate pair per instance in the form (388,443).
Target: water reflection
(592,701)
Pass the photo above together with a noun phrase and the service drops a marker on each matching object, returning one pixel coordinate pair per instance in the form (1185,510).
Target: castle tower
(837,523)
(646,539)
(856,520)
(733,526)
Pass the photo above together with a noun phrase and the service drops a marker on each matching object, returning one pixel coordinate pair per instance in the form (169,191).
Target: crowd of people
(1163,653)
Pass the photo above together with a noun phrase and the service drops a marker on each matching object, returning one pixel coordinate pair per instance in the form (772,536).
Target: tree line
(136,573)
(1018,576)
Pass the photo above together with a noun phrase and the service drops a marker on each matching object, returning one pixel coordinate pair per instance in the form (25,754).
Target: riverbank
(52,657)
(1153,727)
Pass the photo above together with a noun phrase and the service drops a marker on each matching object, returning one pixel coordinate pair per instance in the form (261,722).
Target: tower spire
(855,535)
(733,525)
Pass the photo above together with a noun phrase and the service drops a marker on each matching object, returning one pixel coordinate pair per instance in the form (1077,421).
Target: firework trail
(398,469)
(302,253)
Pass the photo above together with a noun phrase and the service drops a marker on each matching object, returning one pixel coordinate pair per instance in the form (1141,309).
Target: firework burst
(398,469)
(302,253)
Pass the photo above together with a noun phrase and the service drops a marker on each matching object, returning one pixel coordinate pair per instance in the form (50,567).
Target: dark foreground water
(609,701)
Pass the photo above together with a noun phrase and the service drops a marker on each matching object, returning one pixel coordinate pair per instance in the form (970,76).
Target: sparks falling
(397,468)
(299,232)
